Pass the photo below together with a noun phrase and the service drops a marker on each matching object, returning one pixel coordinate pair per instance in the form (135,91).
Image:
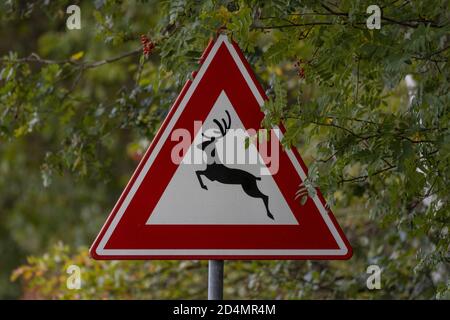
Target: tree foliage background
(368,109)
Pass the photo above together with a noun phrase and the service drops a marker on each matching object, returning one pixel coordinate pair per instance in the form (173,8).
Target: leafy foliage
(369,113)
(46,277)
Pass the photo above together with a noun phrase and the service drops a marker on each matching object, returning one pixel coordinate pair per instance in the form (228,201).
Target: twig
(364,177)
(318,23)
(114,59)
(357,81)
(74,85)
(407,23)
(35,58)
(339,127)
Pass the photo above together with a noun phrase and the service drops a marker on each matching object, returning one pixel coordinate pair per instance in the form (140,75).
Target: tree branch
(339,127)
(35,58)
(412,23)
(364,177)
(318,23)
(113,59)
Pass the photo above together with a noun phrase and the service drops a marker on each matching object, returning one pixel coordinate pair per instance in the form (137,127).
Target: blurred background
(367,108)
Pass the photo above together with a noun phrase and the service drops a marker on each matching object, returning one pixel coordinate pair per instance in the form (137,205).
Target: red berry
(147,45)
(300,69)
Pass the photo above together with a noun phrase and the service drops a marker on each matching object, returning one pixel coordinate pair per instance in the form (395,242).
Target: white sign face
(221,203)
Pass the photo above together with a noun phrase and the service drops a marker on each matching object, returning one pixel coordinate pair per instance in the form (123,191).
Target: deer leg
(266,203)
(253,191)
(199,174)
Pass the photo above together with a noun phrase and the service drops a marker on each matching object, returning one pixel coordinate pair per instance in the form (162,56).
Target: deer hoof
(205,187)
(270,216)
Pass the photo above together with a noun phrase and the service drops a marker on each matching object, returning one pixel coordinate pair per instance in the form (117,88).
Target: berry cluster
(147,45)
(300,70)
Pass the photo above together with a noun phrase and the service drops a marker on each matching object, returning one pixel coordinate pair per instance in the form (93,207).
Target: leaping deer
(217,171)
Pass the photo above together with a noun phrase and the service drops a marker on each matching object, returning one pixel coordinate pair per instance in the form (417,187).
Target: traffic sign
(212,185)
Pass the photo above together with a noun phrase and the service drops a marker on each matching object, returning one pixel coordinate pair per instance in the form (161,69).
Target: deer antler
(223,129)
(210,137)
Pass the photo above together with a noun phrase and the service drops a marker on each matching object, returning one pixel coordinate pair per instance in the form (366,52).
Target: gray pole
(215,280)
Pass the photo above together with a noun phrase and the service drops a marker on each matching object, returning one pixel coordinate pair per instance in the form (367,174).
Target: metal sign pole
(215,280)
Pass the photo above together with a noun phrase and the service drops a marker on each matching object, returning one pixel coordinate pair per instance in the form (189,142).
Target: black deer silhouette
(217,171)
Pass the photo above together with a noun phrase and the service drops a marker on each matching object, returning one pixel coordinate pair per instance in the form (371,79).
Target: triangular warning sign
(194,196)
